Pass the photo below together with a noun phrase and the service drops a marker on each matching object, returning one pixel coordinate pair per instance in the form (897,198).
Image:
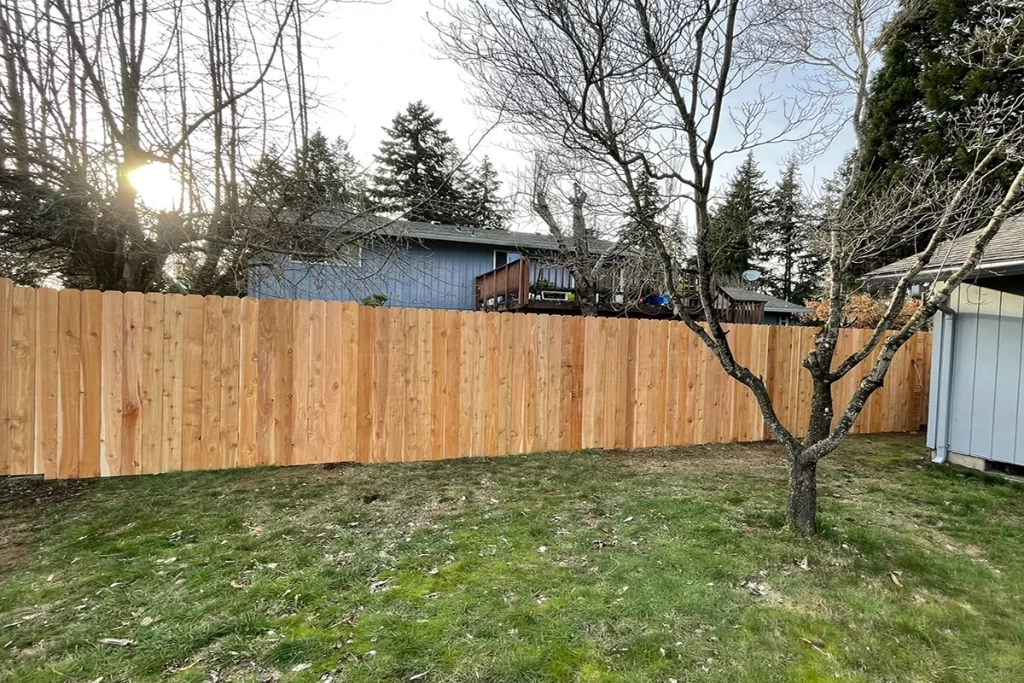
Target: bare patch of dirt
(24,503)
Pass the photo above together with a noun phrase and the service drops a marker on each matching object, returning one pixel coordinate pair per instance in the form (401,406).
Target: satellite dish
(751,275)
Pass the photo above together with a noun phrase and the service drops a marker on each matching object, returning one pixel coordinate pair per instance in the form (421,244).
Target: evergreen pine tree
(417,169)
(353,180)
(317,175)
(737,230)
(925,85)
(483,207)
(796,271)
(268,182)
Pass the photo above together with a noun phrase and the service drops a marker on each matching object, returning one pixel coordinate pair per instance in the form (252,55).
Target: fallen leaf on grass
(803,564)
(895,578)
(300,667)
(418,676)
(119,642)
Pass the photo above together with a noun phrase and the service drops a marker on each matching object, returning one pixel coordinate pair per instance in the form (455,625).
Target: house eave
(994,269)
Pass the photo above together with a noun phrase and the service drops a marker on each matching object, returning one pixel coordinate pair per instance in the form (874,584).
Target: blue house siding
(432,275)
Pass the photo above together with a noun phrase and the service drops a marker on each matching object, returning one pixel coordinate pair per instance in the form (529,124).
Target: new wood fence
(103,384)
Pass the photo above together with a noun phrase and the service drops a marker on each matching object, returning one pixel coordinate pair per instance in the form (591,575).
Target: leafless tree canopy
(664,89)
(94,90)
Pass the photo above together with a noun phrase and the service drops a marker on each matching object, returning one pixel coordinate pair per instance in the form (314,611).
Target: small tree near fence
(658,88)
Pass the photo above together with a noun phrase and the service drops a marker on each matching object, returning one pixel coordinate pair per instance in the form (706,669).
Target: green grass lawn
(643,566)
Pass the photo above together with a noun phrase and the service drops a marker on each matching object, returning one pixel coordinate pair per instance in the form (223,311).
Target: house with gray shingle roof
(426,265)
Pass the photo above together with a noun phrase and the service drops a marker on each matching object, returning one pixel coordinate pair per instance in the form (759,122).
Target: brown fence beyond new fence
(103,384)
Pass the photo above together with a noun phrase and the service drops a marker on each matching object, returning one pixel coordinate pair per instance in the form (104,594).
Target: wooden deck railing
(504,288)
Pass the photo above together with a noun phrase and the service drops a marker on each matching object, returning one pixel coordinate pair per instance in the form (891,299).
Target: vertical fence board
(192,383)
(504,380)
(453,416)
(131,382)
(284,367)
(213,335)
(366,383)
(334,373)
(439,379)
(173,381)
(317,399)
(6,287)
(113,384)
(248,389)
(396,409)
(408,438)
(92,384)
(22,387)
(491,349)
(381,331)
(231,374)
(300,383)
(69,321)
(151,385)
(424,381)
(351,379)
(577,358)
(267,386)
(467,370)
(47,388)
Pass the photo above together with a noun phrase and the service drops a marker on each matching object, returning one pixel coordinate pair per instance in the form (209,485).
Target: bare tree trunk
(802,510)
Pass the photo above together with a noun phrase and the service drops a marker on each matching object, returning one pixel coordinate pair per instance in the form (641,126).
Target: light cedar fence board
(109,384)
(92,383)
(70,381)
(334,375)
(266,389)
(112,349)
(151,383)
(300,383)
(6,368)
(592,363)
(317,399)
(248,420)
(394,407)
(439,381)
(131,382)
(351,379)
(453,378)
(492,358)
(47,388)
(231,369)
(368,343)
(425,381)
(192,383)
(22,386)
(385,323)
(284,365)
(467,365)
(212,381)
(173,381)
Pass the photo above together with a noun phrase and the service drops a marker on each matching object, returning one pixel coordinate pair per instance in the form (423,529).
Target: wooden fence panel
(111,384)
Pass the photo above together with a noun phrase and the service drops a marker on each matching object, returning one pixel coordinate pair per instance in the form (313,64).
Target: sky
(373,59)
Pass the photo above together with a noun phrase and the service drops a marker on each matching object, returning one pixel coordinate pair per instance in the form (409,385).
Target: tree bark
(802,512)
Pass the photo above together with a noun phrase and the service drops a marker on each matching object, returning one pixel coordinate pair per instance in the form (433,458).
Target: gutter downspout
(944,395)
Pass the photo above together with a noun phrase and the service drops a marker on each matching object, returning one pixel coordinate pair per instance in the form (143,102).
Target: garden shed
(976,406)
